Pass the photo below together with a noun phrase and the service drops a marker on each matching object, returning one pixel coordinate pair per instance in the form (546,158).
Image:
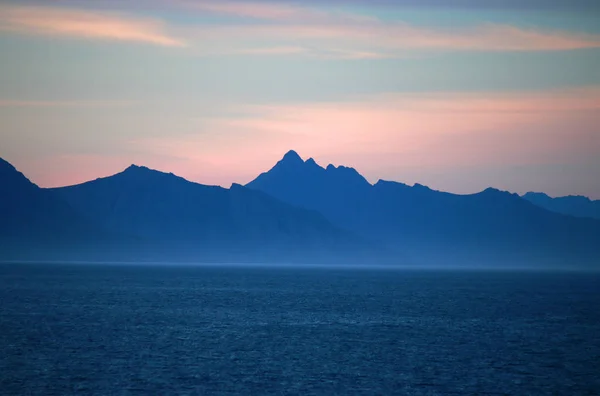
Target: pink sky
(386,136)
(217,91)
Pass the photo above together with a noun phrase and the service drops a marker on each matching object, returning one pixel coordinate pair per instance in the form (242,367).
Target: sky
(458,95)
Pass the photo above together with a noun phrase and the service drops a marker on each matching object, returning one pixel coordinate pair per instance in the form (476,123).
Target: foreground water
(108,330)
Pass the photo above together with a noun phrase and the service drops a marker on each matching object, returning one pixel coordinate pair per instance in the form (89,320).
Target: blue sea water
(121,330)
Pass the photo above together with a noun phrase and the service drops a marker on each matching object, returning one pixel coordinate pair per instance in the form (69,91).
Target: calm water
(107,330)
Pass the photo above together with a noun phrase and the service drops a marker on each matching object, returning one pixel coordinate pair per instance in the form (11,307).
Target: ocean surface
(125,330)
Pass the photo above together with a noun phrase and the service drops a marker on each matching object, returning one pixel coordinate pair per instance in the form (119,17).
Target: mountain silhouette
(492,225)
(196,219)
(574,205)
(340,193)
(33,219)
(298,211)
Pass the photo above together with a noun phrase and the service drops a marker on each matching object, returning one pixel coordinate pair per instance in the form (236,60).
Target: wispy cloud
(272,50)
(65,103)
(266,11)
(403,37)
(313,52)
(76,23)
(527,5)
(286,29)
(277,12)
(365,33)
(336,53)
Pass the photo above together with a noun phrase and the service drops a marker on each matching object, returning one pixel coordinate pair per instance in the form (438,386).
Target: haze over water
(231,330)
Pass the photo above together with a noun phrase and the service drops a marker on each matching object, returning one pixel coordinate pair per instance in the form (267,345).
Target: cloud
(366,34)
(278,12)
(272,50)
(320,53)
(528,5)
(72,103)
(335,53)
(264,10)
(286,29)
(402,37)
(77,23)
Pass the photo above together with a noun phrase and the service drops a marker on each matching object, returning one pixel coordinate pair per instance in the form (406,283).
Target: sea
(107,329)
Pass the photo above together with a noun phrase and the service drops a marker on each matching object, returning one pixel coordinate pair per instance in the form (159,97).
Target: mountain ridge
(33,220)
(573,205)
(148,215)
(492,222)
(296,210)
(167,208)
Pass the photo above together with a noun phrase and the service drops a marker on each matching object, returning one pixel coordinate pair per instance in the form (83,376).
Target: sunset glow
(217,91)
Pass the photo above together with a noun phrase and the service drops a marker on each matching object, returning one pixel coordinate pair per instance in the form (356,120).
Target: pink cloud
(268,11)
(84,24)
(363,33)
(287,29)
(278,12)
(397,37)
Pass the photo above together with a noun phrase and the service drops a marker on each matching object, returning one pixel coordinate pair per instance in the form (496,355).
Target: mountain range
(297,211)
(490,227)
(574,205)
(143,214)
(35,220)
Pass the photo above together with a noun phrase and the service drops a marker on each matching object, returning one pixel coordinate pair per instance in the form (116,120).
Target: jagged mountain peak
(311,162)
(144,171)
(494,192)
(420,186)
(292,156)
(133,168)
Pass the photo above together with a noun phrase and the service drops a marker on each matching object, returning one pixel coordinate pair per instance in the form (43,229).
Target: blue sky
(459,95)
